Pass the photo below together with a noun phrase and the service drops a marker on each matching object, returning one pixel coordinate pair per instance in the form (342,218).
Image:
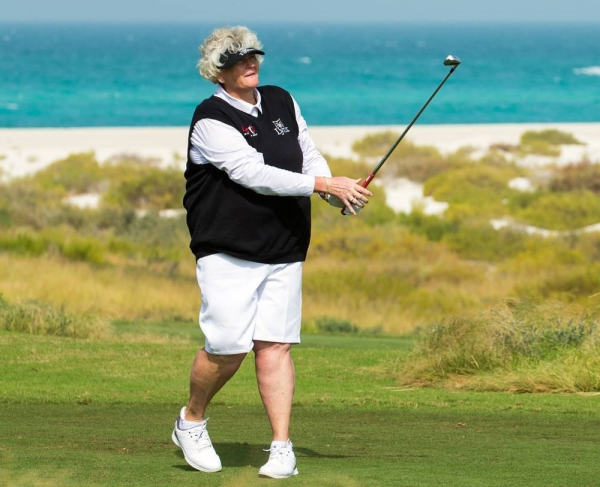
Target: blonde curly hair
(224,39)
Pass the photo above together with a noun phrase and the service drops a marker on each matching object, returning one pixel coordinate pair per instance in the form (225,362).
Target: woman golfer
(251,170)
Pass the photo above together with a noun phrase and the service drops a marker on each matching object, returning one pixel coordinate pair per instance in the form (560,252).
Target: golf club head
(451,61)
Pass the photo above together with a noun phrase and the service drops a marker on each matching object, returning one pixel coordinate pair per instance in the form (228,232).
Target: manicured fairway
(100,413)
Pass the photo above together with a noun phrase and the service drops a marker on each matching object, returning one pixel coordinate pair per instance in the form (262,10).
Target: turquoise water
(144,75)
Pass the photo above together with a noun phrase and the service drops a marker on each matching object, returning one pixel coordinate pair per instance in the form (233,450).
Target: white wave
(305,60)
(588,71)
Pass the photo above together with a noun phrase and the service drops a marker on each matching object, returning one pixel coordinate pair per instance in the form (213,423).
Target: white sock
(184,424)
(281,444)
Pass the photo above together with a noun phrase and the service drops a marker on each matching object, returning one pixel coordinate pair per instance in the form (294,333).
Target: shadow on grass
(246,454)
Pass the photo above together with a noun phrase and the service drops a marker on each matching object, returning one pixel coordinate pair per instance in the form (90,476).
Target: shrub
(328,324)
(27,205)
(545,142)
(461,183)
(60,240)
(541,258)
(549,136)
(408,160)
(417,163)
(337,326)
(539,147)
(433,227)
(24,243)
(153,231)
(573,177)
(39,318)
(559,211)
(348,167)
(149,189)
(519,340)
(480,190)
(479,241)
(564,283)
(83,249)
(77,173)
(588,244)
(5,220)
(375,145)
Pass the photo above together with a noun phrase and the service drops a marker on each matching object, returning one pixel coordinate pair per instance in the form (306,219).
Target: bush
(149,189)
(516,346)
(539,147)
(39,318)
(375,145)
(157,238)
(417,163)
(78,173)
(545,142)
(549,136)
(346,167)
(480,190)
(559,211)
(337,326)
(83,249)
(541,258)
(24,243)
(27,205)
(433,227)
(573,177)
(566,284)
(482,242)
(328,324)
(61,241)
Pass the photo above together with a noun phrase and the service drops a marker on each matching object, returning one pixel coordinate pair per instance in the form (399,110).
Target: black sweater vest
(223,216)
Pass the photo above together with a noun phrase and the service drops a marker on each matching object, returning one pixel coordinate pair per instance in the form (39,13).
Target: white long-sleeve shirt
(214,142)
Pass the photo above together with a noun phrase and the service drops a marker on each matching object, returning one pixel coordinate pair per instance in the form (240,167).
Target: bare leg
(276,384)
(209,374)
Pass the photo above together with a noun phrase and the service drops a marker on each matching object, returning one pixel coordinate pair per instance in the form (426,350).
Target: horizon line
(4,22)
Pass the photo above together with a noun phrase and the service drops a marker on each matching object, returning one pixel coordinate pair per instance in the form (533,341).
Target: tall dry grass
(518,346)
(38,318)
(111,292)
(378,271)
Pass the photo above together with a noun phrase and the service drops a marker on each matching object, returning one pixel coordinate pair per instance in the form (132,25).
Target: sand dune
(24,151)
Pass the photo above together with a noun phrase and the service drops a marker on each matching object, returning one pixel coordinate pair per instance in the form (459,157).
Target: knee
(222,361)
(271,348)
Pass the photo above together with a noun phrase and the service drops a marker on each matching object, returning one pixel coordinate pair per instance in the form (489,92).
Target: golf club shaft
(389,152)
(371,176)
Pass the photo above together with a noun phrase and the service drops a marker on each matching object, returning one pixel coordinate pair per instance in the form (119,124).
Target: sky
(245,11)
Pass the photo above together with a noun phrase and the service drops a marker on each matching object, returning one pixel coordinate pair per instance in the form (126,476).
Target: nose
(250,60)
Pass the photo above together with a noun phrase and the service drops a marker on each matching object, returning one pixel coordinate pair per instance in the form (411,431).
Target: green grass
(100,413)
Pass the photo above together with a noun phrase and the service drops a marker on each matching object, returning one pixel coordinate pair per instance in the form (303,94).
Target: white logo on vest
(280,128)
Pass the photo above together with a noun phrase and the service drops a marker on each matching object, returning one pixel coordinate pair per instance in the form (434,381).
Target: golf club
(449,61)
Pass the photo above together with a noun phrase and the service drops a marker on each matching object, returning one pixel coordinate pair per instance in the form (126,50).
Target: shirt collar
(241,105)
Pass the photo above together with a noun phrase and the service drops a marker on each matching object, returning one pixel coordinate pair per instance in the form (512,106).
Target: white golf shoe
(281,464)
(196,446)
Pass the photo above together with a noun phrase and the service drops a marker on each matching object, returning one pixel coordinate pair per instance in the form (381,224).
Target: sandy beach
(24,151)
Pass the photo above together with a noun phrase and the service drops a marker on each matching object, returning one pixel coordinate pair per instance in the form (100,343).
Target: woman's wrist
(322,187)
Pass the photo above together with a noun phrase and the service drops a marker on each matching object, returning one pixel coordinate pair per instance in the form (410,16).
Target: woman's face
(242,78)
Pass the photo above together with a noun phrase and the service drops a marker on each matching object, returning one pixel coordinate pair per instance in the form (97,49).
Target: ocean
(90,75)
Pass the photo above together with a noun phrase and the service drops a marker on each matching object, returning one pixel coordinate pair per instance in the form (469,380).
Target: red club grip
(368,180)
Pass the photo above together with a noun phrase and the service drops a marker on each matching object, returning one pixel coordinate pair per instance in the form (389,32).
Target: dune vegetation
(445,279)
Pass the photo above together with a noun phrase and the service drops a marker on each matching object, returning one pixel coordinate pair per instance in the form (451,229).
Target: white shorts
(244,301)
